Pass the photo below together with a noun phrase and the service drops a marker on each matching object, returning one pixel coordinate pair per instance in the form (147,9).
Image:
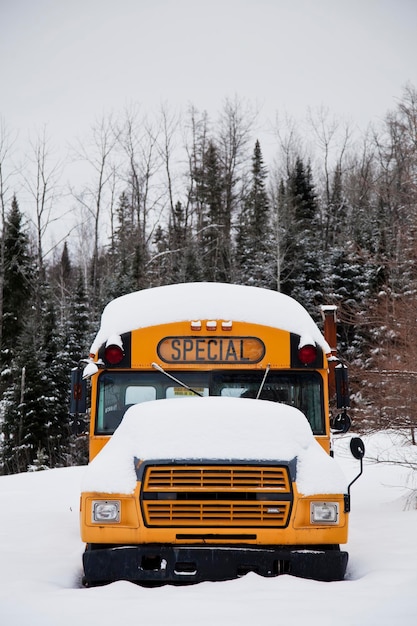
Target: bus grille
(217,477)
(215,496)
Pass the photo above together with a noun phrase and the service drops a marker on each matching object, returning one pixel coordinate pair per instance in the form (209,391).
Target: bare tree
(236,125)
(396,152)
(333,139)
(139,140)
(41,180)
(98,153)
(196,138)
(170,126)
(290,147)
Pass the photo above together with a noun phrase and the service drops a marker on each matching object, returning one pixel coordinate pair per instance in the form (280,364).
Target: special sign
(211,349)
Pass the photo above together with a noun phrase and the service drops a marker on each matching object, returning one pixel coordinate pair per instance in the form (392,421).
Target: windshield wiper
(268,367)
(160,369)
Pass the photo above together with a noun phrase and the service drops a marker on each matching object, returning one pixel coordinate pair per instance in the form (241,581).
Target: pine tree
(335,213)
(18,301)
(214,228)
(187,262)
(56,434)
(65,266)
(177,243)
(74,340)
(26,415)
(302,267)
(127,260)
(254,244)
(18,283)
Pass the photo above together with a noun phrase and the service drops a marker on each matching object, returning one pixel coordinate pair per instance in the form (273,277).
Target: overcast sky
(65,63)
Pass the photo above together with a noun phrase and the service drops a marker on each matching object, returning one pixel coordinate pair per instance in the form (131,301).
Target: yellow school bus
(210,438)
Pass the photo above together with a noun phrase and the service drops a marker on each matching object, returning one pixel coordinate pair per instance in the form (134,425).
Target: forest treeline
(332,219)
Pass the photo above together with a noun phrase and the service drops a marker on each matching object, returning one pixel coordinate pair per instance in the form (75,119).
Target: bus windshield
(117,391)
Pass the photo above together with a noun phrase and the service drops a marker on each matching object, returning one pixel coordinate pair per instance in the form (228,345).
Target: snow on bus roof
(213,428)
(204,301)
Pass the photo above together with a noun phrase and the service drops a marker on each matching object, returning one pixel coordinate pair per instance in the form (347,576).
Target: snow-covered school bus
(210,439)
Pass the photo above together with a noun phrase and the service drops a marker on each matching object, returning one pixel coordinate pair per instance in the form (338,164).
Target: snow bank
(213,428)
(202,301)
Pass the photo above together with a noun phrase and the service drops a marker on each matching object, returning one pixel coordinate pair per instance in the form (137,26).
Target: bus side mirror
(342,386)
(78,402)
(341,423)
(357,448)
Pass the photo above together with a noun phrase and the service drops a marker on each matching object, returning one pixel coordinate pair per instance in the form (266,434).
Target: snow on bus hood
(213,428)
(201,301)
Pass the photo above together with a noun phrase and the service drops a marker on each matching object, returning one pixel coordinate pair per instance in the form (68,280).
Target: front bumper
(154,563)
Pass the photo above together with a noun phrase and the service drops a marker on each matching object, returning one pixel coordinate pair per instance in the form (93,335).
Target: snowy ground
(40,563)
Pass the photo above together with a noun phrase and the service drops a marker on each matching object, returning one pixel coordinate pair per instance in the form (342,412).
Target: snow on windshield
(202,301)
(213,428)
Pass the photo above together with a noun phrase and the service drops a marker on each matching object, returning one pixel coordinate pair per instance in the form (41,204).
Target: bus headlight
(106,511)
(324,512)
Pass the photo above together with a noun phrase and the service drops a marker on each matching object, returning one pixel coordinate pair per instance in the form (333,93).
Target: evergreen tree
(176,258)
(36,418)
(65,267)
(335,213)
(302,267)
(160,267)
(26,415)
(124,267)
(177,244)
(254,253)
(56,382)
(74,341)
(18,283)
(350,286)
(214,229)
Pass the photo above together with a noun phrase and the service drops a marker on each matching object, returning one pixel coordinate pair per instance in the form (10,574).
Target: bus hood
(213,428)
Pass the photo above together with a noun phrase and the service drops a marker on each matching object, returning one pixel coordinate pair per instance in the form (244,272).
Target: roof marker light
(227,325)
(307,354)
(196,325)
(114,352)
(211,325)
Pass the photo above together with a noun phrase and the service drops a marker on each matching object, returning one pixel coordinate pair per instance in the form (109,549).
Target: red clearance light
(307,354)
(113,354)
